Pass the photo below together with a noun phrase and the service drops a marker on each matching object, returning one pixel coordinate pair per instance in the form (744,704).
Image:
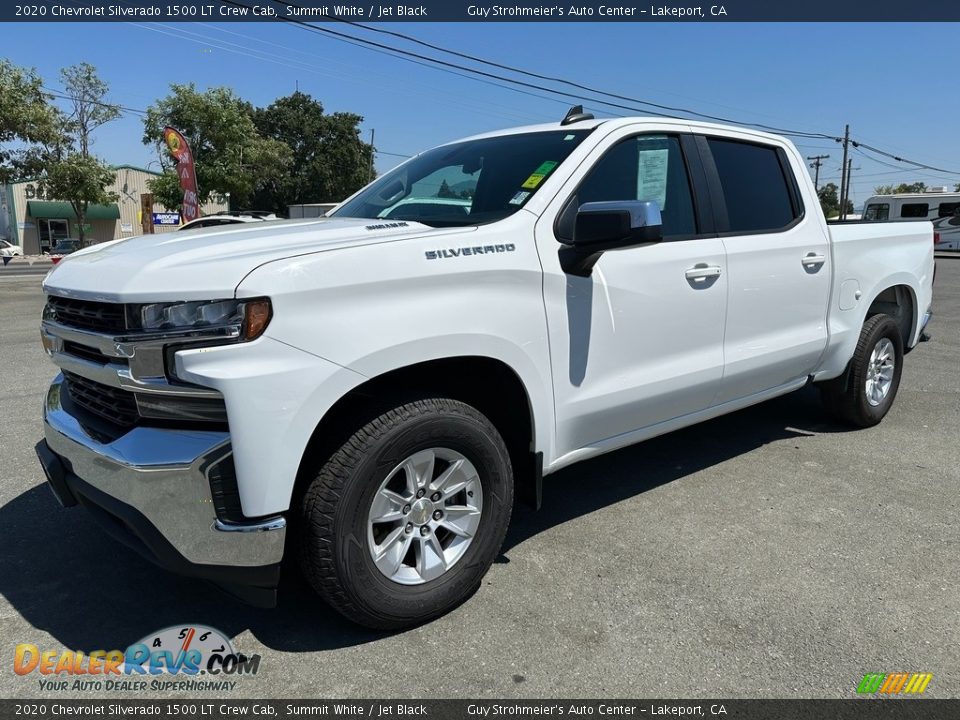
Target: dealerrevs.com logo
(180,657)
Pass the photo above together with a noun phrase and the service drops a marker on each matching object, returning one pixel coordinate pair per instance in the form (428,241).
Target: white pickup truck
(368,391)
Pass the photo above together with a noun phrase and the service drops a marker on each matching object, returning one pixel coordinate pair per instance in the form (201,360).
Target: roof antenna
(576,114)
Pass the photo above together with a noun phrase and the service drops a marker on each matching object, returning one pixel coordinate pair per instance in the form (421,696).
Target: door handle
(702,271)
(813,259)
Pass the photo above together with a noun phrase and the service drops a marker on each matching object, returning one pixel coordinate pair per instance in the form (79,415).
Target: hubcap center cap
(420,511)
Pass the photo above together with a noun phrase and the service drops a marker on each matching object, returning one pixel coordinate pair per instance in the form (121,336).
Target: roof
(112,167)
(614,123)
(920,196)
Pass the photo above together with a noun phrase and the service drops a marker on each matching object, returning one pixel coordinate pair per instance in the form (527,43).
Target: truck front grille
(88,314)
(117,406)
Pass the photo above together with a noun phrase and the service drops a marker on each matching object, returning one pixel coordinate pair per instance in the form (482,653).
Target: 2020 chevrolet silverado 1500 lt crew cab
(368,390)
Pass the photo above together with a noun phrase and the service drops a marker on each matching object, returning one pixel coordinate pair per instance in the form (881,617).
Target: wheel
(865,392)
(401,523)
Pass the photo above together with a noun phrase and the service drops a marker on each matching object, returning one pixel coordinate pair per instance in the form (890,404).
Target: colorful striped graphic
(894,683)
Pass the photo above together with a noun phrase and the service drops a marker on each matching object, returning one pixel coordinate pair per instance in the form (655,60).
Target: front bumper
(150,490)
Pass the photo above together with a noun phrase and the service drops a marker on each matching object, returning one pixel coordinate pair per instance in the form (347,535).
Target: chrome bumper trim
(276,523)
(161,473)
(142,369)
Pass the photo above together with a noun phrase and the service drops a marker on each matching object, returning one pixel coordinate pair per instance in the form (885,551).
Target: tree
(82,180)
(230,156)
(917,187)
(71,172)
(830,200)
(330,161)
(956,188)
(26,118)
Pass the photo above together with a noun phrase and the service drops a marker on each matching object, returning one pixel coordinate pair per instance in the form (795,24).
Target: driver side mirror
(611,225)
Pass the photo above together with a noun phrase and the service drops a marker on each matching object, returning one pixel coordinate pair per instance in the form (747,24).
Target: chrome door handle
(814,259)
(702,271)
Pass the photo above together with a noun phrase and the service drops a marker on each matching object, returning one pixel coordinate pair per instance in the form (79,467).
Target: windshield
(467,183)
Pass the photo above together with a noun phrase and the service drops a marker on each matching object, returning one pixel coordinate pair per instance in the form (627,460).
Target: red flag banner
(180,151)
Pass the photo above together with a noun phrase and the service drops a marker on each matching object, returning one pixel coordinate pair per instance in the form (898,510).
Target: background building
(35,222)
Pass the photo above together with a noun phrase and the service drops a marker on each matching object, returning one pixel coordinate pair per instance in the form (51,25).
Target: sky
(891,82)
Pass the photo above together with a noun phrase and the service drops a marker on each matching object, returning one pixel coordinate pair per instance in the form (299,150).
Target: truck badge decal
(464,251)
(386,226)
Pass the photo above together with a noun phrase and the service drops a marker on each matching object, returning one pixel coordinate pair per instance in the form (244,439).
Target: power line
(905,160)
(420,58)
(549,78)
(60,94)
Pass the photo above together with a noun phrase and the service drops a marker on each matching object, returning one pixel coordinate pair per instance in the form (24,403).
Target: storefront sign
(166,218)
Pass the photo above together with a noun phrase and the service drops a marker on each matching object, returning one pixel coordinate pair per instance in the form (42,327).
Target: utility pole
(817,162)
(843,178)
(850,170)
(370,169)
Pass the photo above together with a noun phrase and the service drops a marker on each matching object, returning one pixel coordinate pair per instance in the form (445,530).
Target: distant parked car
(8,249)
(65,246)
(229,218)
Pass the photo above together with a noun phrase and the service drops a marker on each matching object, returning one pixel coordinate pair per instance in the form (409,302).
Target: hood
(209,263)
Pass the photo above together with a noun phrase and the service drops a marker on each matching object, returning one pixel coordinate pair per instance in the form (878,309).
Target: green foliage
(69,171)
(229,154)
(81,180)
(86,94)
(330,161)
(917,187)
(26,118)
(829,196)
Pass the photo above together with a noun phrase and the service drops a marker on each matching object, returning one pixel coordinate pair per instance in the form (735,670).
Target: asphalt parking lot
(770,553)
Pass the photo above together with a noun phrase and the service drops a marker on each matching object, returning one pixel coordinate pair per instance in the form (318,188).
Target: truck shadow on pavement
(64,576)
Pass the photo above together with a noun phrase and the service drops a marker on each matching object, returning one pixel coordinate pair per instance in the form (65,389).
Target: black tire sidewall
(880,327)
(366,586)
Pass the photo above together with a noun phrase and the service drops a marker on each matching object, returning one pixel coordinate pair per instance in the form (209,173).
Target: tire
(339,538)
(851,398)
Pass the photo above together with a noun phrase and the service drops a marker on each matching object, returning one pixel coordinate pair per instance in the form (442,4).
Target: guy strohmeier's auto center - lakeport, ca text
(371,12)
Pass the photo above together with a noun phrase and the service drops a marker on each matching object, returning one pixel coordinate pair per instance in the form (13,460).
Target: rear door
(778,265)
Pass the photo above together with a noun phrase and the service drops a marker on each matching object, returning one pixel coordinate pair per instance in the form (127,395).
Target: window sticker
(652,177)
(538,175)
(519,197)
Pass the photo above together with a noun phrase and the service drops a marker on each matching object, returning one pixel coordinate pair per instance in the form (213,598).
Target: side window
(755,186)
(914,210)
(647,167)
(948,209)
(877,211)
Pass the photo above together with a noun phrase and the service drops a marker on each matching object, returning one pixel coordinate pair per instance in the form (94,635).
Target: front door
(640,341)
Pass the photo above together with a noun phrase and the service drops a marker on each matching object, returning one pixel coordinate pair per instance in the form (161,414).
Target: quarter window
(646,167)
(914,210)
(755,186)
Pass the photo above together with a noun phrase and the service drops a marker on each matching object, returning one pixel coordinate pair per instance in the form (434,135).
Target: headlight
(250,317)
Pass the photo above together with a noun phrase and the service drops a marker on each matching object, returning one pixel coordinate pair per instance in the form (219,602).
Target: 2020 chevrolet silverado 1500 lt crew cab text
(368,390)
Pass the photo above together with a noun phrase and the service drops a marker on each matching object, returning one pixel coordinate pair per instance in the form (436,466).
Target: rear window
(757,193)
(877,211)
(914,210)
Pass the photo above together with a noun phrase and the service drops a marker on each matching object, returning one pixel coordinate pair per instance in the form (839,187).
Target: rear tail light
(936,237)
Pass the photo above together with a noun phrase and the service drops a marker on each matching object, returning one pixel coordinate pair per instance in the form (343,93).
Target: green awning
(50,209)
